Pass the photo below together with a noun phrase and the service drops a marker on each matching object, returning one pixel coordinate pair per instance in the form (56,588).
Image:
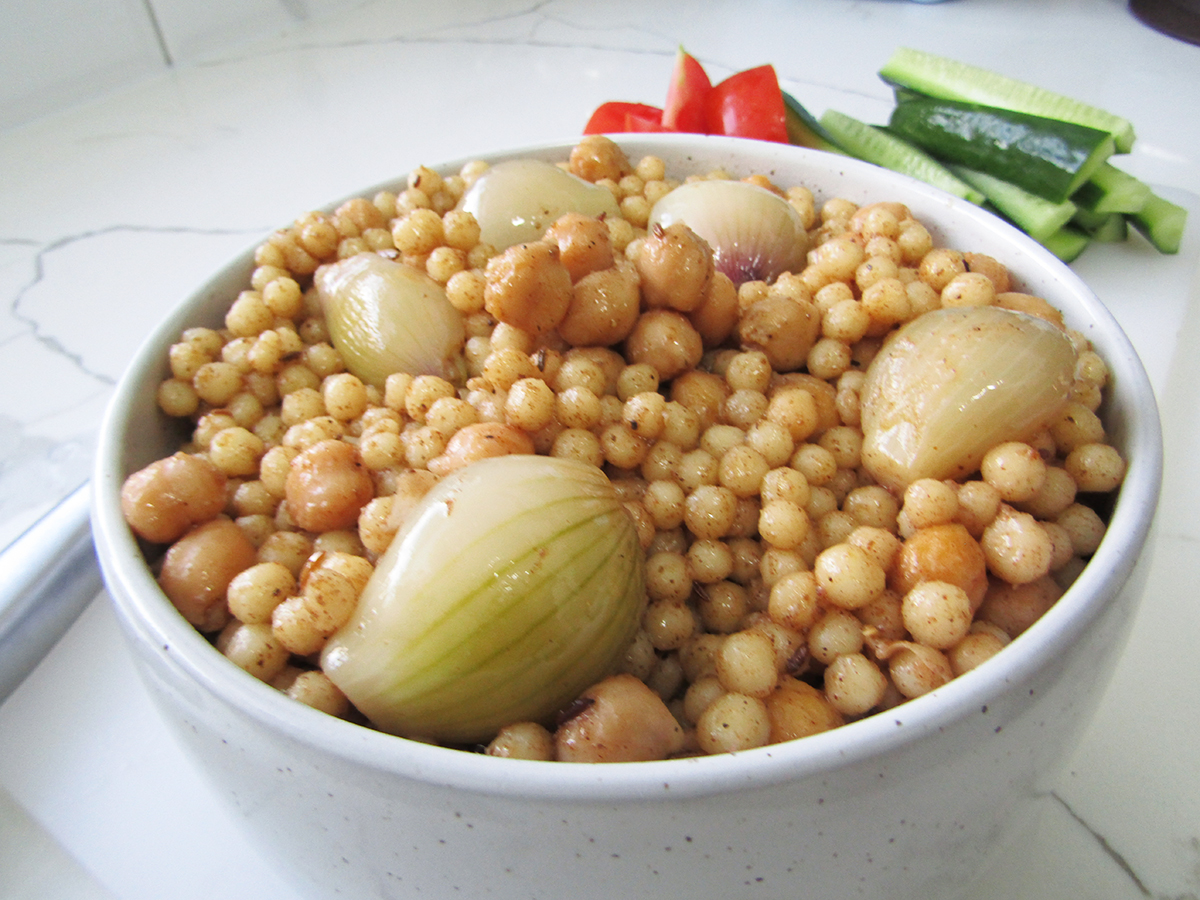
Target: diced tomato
(748,104)
(619,116)
(687,96)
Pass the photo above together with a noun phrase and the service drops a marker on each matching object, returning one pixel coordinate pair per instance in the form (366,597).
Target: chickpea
(618,720)
(327,487)
(782,328)
(528,287)
(992,268)
(603,308)
(1014,607)
(941,553)
(523,740)
(1028,303)
(169,496)
(584,244)
(665,340)
(796,709)
(717,313)
(198,568)
(676,266)
(596,157)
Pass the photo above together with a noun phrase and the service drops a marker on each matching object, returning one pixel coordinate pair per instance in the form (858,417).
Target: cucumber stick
(1110,190)
(939,76)
(1046,157)
(1067,243)
(803,129)
(1110,228)
(876,146)
(1161,221)
(1036,216)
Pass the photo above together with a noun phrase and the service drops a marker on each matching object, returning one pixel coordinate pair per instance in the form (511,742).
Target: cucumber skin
(1103,228)
(877,146)
(939,76)
(1110,190)
(1044,156)
(1067,243)
(1161,222)
(803,128)
(1036,216)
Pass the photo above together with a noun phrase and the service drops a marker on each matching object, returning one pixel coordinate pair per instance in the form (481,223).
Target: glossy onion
(515,583)
(517,200)
(755,234)
(953,383)
(386,317)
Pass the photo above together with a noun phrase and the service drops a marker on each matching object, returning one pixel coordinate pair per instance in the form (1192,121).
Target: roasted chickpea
(528,287)
(676,267)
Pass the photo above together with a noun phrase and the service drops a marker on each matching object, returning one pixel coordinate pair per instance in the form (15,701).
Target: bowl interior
(135,433)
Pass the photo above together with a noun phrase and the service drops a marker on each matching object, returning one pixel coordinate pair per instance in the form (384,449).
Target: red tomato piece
(687,96)
(749,104)
(618,115)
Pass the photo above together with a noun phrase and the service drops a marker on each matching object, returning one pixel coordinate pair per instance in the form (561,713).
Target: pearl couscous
(787,591)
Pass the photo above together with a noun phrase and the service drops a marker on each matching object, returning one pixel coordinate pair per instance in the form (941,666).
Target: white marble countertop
(113,211)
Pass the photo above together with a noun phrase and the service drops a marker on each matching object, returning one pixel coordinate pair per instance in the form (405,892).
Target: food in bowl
(827,514)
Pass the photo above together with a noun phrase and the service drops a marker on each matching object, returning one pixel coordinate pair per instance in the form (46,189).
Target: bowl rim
(152,622)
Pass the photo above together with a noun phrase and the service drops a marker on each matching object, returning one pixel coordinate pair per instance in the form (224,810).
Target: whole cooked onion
(755,234)
(953,383)
(513,585)
(386,317)
(514,202)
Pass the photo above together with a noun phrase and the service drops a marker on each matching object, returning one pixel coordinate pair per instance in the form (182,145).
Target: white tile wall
(192,30)
(55,53)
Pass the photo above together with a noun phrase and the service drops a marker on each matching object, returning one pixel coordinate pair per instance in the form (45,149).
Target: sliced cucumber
(1110,190)
(877,146)
(803,128)
(1108,228)
(1161,221)
(1067,243)
(1044,156)
(1036,216)
(938,76)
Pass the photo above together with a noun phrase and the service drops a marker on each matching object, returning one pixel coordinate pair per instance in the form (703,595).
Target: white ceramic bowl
(909,803)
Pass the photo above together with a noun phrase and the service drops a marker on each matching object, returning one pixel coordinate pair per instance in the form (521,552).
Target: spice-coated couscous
(788,590)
